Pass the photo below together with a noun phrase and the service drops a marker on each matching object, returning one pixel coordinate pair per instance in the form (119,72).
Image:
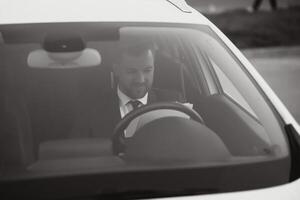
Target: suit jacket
(99,118)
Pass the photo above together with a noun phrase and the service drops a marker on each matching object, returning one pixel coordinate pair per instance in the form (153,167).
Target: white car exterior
(42,11)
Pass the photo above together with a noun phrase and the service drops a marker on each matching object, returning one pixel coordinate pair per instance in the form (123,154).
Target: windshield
(76,97)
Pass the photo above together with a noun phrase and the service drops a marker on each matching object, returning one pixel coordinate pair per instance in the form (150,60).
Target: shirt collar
(124,99)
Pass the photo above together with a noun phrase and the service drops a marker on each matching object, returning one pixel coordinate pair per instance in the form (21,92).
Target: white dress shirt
(126,107)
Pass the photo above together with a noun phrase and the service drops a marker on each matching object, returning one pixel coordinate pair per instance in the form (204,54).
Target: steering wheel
(118,135)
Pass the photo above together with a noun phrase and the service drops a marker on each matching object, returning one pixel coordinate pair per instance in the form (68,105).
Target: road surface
(281,69)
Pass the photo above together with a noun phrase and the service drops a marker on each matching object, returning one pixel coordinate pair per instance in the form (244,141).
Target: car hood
(36,11)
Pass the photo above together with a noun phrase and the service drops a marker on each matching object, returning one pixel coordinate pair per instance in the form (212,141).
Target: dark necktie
(135,104)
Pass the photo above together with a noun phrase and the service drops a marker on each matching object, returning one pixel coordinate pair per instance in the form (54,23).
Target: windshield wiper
(137,194)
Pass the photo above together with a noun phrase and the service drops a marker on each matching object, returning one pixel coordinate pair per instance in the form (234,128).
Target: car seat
(16,142)
(169,74)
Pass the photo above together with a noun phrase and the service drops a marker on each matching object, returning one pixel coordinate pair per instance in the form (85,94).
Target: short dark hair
(135,50)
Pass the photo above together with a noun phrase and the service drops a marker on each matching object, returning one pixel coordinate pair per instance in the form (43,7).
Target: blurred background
(268,33)
(219,5)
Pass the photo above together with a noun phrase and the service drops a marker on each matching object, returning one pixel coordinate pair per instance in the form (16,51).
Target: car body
(238,142)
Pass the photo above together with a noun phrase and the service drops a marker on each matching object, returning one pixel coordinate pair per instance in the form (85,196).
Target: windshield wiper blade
(137,194)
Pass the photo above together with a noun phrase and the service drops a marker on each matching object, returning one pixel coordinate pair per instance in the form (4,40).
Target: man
(134,73)
(134,76)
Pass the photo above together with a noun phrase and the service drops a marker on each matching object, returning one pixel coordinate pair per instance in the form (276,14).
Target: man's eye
(148,70)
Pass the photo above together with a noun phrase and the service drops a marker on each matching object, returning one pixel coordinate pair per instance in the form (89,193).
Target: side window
(230,90)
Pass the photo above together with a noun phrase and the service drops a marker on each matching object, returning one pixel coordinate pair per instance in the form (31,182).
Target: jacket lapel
(106,116)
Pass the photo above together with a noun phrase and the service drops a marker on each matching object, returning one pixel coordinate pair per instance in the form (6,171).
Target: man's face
(135,74)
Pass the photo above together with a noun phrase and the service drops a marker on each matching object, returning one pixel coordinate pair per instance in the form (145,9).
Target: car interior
(42,103)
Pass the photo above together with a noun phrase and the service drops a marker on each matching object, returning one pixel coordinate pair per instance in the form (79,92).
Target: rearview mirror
(64,60)
(63,50)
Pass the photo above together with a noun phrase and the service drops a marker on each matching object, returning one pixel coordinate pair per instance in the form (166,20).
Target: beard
(138,91)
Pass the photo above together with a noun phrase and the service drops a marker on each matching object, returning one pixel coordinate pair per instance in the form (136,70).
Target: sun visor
(63,60)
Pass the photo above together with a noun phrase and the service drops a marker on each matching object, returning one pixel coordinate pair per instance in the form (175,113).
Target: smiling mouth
(138,86)
(140,89)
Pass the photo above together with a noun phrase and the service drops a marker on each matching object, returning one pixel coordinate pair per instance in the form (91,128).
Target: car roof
(48,11)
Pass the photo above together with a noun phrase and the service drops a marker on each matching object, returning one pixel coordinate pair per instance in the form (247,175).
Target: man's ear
(115,69)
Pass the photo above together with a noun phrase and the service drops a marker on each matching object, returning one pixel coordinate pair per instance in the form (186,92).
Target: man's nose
(140,77)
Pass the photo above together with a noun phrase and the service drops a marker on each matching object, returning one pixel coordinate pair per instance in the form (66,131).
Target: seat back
(51,97)
(168,74)
(16,145)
